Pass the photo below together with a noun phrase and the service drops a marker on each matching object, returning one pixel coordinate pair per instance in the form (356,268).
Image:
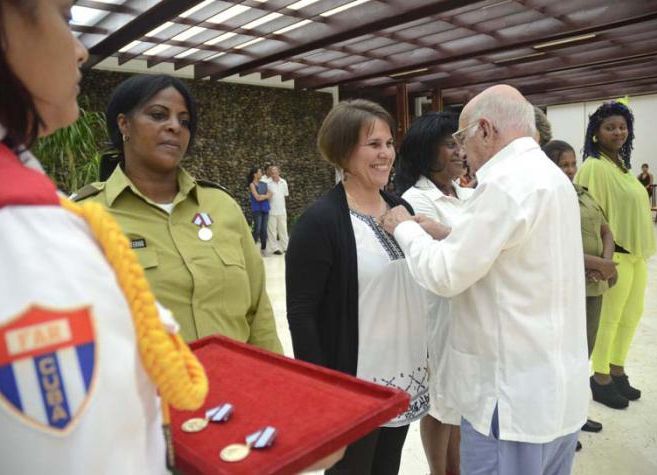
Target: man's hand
(432,227)
(394,217)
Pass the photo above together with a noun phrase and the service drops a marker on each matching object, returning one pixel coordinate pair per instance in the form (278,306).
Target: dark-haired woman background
(190,236)
(607,151)
(259,196)
(645,177)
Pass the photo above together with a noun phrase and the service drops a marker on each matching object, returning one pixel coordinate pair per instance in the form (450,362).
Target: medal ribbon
(262,438)
(202,219)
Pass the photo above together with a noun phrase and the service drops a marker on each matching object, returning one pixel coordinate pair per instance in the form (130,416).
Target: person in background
(430,163)
(266,168)
(190,235)
(645,177)
(80,331)
(543,127)
(277,238)
(352,304)
(259,196)
(605,173)
(598,243)
(516,352)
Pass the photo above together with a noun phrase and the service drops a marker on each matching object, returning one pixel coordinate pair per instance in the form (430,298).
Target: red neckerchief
(20,185)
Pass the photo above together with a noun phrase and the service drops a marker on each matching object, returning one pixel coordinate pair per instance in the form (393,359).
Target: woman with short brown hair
(352,304)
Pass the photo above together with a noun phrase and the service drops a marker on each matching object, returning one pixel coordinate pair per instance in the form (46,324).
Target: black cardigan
(321,280)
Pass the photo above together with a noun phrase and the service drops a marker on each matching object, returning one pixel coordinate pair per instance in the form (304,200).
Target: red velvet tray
(316,410)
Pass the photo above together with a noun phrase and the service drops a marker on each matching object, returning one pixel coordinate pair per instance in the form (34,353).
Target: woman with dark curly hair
(607,151)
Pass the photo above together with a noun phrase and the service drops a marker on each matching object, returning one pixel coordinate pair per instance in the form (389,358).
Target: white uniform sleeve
(492,220)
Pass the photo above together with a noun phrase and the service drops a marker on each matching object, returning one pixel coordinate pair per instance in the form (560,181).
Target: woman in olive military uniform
(191,236)
(598,245)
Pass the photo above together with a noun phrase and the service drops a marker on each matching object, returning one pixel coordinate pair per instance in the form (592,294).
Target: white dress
(392,311)
(427,199)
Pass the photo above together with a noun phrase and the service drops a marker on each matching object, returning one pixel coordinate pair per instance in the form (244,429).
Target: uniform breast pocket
(233,290)
(591,239)
(147,258)
(231,256)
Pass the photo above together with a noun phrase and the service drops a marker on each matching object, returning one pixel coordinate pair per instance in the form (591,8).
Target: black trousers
(378,453)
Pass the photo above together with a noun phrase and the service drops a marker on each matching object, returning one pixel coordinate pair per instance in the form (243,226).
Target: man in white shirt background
(516,356)
(266,170)
(277,238)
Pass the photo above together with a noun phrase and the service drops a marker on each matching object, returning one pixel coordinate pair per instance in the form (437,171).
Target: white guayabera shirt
(514,267)
(279,191)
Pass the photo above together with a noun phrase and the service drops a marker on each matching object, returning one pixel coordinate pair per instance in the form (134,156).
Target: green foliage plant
(71,156)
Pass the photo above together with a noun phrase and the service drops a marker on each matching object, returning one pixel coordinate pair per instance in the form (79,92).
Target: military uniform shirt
(214,286)
(592,218)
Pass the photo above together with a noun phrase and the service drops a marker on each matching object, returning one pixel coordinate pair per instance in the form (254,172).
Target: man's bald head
(501,115)
(504,106)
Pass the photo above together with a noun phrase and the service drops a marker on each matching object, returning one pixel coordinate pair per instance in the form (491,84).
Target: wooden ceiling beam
(350,28)
(500,47)
(154,14)
(524,71)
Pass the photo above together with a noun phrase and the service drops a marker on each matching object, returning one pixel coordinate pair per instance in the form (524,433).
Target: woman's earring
(125,138)
(595,139)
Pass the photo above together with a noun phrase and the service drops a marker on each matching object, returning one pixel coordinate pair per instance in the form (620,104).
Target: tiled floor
(628,443)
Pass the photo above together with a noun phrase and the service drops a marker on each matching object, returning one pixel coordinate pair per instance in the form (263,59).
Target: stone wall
(238,126)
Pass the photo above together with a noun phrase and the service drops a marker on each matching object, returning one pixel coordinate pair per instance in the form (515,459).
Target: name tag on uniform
(138,243)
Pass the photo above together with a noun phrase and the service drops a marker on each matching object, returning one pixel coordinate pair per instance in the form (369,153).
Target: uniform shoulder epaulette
(88,191)
(212,184)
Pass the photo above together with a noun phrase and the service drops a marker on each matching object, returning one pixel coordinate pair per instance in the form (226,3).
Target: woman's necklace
(358,207)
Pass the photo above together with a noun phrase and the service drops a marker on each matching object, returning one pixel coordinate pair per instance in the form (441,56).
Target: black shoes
(592,426)
(578,447)
(623,387)
(608,395)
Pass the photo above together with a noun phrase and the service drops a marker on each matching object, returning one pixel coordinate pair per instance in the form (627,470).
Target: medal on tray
(261,439)
(220,413)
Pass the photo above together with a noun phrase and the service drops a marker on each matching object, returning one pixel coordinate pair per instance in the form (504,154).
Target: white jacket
(74,397)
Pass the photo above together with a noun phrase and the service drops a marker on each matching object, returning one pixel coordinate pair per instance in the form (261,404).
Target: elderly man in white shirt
(277,238)
(514,265)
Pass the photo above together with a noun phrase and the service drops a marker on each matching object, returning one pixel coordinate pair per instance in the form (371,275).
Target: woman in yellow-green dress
(607,150)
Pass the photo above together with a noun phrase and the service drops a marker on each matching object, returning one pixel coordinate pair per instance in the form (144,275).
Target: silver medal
(205,234)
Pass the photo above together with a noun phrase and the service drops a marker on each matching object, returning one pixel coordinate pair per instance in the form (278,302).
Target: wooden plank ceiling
(553,51)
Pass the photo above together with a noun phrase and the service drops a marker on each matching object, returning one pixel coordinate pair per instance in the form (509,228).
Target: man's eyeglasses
(459,135)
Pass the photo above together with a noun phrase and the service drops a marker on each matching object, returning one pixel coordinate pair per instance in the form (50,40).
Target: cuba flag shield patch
(47,361)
